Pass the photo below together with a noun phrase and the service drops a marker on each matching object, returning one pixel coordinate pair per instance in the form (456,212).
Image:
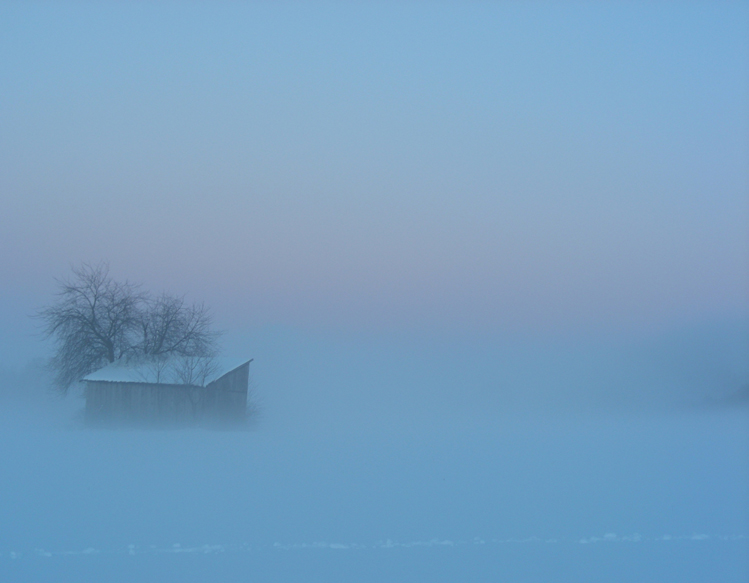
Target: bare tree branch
(194,370)
(97,320)
(169,326)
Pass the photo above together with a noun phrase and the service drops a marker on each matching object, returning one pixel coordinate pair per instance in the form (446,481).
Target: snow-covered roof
(173,371)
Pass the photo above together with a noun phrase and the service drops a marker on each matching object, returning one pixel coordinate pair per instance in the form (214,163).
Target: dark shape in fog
(177,391)
(97,320)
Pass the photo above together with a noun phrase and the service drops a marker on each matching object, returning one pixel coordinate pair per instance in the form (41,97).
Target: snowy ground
(648,498)
(377,488)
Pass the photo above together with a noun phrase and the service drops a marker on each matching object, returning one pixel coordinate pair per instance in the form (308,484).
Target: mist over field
(392,459)
(491,263)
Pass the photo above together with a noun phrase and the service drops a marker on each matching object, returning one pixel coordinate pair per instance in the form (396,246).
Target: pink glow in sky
(484,167)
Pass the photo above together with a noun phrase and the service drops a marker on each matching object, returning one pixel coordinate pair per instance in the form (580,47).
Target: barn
(177,392)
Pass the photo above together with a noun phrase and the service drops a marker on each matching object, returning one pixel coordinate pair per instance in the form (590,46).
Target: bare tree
(97,320)
(94,322)
(169,326)
(154,370)
(194,370)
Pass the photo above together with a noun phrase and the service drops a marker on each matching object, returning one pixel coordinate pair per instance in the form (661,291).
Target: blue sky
(383,166)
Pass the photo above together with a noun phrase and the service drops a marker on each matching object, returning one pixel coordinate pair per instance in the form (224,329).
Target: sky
(387,167)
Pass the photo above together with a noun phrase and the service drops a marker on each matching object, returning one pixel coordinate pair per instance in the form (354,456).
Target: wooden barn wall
(222,400)
(231,391)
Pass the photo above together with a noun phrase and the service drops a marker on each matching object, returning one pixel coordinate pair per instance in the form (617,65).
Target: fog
(490,261)
(399,458)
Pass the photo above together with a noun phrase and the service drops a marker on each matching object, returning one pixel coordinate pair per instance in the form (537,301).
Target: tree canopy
(97,320)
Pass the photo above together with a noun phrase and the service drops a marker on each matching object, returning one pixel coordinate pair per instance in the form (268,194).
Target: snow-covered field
(655,498)
(370,493)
